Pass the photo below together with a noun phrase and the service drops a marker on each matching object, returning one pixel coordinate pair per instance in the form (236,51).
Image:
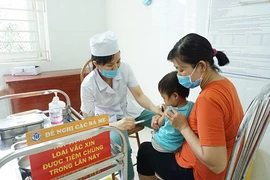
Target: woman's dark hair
(102,60)
(169,84)
(193,48)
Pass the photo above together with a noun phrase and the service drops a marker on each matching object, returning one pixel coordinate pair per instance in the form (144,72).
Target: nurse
(105,91)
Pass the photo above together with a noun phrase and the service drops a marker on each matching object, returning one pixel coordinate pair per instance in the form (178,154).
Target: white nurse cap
(104,44)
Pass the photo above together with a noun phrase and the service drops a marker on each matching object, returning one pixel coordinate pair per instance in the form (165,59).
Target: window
(23,31)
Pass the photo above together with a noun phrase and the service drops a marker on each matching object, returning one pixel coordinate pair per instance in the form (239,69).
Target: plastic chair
(133,133)
(249,135)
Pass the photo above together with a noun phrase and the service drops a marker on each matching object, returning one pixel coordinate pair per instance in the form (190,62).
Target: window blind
(23,31)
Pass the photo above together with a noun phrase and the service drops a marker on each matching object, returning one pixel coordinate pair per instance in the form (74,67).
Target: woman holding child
(211,128)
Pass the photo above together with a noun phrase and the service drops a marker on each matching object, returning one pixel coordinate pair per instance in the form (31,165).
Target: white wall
(147,33)
(71,23)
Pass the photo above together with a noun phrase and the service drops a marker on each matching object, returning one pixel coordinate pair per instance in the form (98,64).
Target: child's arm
(157,121)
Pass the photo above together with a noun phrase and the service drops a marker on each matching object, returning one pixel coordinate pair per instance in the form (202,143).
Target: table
(65,80)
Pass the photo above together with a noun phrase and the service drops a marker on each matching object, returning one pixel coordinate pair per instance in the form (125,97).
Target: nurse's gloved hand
(124,124)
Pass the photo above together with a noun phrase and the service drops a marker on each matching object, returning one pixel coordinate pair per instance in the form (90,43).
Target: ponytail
(222,58)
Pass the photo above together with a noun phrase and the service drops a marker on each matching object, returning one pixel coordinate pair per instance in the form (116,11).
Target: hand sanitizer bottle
(55,111)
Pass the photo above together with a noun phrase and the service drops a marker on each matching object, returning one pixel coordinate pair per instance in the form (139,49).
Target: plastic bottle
(55,111)
(62,105)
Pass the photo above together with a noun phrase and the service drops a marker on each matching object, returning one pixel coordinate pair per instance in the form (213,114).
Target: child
(167,138)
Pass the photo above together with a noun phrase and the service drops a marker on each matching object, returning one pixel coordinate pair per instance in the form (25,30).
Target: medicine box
(25,70)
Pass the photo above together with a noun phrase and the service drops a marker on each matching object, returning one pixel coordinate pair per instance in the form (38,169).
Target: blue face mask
(186,80)
(109,73)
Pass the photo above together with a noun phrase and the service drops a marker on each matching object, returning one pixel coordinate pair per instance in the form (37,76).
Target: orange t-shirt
(215,118)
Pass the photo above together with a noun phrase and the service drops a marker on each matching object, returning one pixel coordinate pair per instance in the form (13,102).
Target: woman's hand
(124,124)
(157,121)
(177,120)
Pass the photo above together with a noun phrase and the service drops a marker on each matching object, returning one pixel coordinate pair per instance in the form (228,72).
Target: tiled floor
(145,135)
